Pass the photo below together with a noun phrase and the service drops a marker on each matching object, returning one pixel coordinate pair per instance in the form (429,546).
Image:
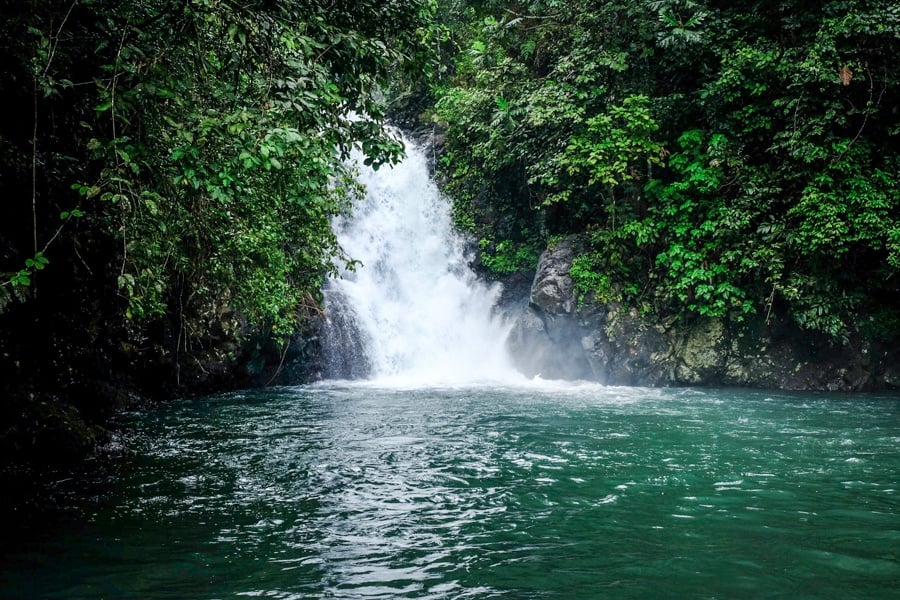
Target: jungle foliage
(201,140)
(717,158)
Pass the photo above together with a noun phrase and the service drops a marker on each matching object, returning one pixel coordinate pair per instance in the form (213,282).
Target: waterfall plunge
(413,313)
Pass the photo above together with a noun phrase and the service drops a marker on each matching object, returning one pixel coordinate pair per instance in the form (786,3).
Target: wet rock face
(343,344)
(553,291)
(702,351)
(546,339)
(554,337)
(549,346)
(625,349)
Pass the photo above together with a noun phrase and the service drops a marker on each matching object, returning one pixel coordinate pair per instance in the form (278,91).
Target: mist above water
(413,312)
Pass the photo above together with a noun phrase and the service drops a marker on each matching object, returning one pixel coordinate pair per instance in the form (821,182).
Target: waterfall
(413,311)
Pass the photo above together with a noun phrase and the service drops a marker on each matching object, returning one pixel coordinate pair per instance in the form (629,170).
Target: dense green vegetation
(717,158)
(203,134)
(198,138)
(169,170)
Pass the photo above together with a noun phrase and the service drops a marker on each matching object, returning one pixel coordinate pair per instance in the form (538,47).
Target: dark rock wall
(555,338)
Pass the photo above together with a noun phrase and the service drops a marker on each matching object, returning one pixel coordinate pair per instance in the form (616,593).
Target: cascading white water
(416,311)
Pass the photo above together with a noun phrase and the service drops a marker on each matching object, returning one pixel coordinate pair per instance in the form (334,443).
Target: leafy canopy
(208,140)
(720,159)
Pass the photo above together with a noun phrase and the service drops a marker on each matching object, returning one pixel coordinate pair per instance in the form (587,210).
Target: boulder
(546,339)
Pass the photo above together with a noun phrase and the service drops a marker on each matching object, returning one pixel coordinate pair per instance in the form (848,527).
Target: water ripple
(356,492)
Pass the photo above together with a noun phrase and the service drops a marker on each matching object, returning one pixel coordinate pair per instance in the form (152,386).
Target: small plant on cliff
(507,257)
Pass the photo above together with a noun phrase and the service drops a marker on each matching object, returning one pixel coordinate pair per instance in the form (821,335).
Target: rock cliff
(555,337)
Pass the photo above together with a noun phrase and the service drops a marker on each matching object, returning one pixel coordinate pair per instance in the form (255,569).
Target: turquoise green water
(591,492)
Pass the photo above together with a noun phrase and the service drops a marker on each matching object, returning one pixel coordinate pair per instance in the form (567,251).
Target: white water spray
(416,311)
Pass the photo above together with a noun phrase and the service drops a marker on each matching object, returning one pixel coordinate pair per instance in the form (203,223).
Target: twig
(287,345)
(112,113)
(521,16)
(56,39)
(34,133)
(769,303)
(868,109)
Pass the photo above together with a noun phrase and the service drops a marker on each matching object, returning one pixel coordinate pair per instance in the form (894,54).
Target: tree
(717,158)
(207,137)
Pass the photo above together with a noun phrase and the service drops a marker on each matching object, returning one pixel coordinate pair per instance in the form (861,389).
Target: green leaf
(22,278)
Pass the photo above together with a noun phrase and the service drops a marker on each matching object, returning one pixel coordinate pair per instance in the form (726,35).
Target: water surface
(360,491)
